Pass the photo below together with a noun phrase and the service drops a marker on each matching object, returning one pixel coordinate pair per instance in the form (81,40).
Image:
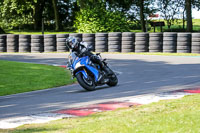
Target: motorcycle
(89,74)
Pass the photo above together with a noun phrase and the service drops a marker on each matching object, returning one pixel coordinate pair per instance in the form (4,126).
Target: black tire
(196,39)
(155,39)
(128,43)
(169,38)
(36,41)
(114,46)
(101,35)
(127,39)
(195,35)
(37,45)
(114,34)
(49,36)
(2,49)
(127,50)
(114,43)
(195,43)
(61,39)
(86,35)
(62,35)
(101,50)
(141,39)
(114,38)
(37,36)
(49,40)
(82,82)
(89,39)
(2,44)
(101,39)
(113,80)
(127,46)
(128,34)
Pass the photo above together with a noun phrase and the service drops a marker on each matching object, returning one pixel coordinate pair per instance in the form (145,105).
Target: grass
(17,77)
(169,116)
(176,27)
(35,32)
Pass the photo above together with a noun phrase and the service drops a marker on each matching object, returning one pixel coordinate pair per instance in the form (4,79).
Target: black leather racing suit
(83,49)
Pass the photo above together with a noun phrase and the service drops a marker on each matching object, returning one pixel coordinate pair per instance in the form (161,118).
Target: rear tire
(86,84)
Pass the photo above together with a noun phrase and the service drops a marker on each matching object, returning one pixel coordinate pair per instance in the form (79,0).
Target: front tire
(113,80)
(87,84)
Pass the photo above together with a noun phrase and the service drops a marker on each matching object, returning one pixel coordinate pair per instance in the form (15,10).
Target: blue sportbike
(88,74)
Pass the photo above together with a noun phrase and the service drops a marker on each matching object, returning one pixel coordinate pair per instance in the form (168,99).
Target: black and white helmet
(72,42)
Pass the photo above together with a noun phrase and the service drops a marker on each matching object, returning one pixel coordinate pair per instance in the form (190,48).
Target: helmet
(72,42)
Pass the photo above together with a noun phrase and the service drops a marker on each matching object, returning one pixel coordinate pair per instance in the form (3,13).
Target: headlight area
(78,65)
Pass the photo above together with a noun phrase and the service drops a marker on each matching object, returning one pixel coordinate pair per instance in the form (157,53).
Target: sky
(195,14)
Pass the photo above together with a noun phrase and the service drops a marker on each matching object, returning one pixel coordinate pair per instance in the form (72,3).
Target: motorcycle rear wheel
(87,84)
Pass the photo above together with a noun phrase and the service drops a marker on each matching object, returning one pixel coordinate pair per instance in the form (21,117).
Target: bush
(100,20)
(2,31)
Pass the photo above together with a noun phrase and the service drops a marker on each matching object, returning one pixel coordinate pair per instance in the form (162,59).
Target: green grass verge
(17,77)
(177,116)
(35,32)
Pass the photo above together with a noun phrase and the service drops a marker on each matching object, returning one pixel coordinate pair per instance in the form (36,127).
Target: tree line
(92,15)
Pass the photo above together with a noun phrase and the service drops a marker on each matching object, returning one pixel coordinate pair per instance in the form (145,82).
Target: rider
(83,49)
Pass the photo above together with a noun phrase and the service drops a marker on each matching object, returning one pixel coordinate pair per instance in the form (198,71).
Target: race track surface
(138,75)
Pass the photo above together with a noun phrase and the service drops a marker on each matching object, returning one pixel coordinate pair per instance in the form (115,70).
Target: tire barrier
(169,42)
(141,42)
(195,43)
(114,41)
(12,43)
(128,42)
(24,43)
(90,39)
(77,35)
(101,42)
(184,43)
(50,43)
(37,43)
(155,42)
(2,43)
(61,42)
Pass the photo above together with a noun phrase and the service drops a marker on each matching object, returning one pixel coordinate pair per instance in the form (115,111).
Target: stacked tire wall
(128,42)
(101,42)
(37,43)
(24,43)
(155,42)
(167,42)
(61,42)
(49,43)
(2,43)
(90,39)
(195,43)
(12,43)
(141,42)
(184,43)
(114,42)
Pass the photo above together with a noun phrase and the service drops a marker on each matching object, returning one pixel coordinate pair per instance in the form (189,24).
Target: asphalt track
(138,75)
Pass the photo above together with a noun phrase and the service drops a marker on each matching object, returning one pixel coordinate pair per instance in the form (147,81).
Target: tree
(189,15)
(170,9)
(56,15)
(141,5)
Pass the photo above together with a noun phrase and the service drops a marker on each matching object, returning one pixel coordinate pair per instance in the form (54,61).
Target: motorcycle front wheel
(86,83)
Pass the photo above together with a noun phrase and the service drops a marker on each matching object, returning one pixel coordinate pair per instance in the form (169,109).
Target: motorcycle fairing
(84,62)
